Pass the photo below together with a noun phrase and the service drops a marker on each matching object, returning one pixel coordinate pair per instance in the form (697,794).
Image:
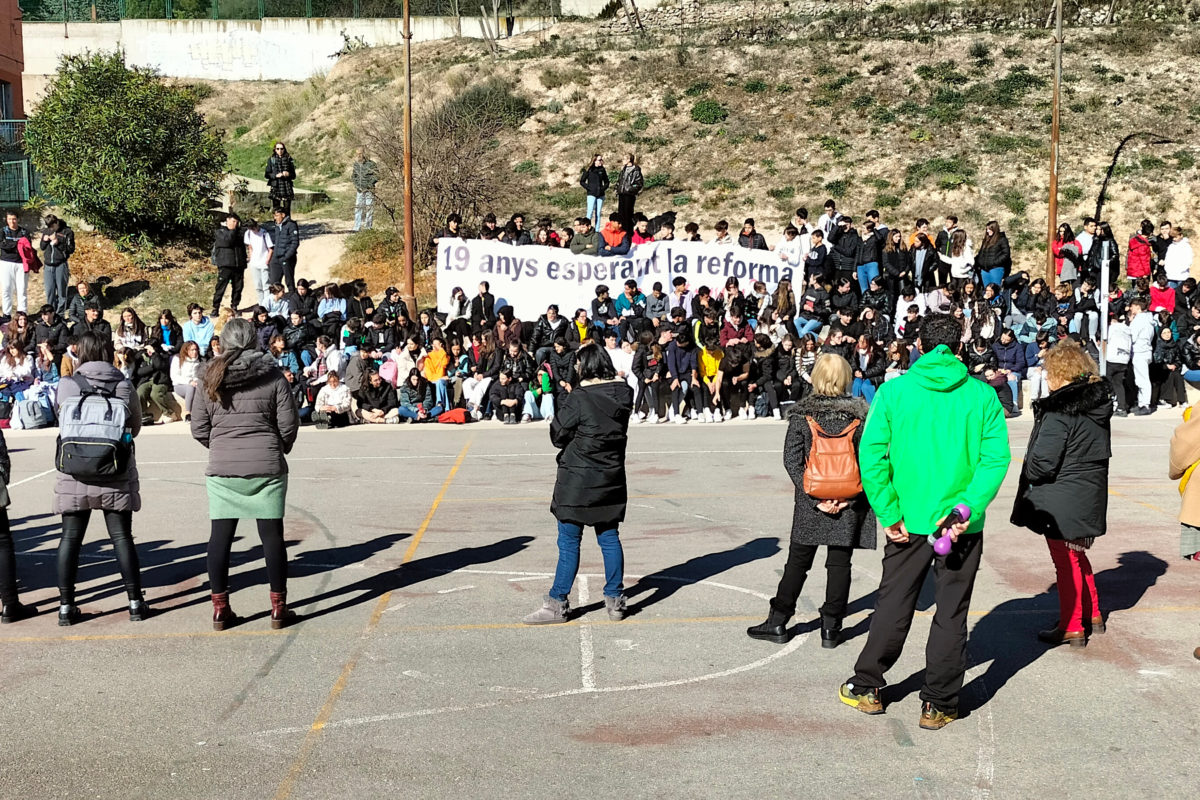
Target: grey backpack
(93,443)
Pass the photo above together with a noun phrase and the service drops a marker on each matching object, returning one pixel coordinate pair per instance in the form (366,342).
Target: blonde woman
(839,525)
(1063,491)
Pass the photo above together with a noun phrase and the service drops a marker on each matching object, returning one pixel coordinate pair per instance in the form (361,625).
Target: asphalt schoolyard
(416,550)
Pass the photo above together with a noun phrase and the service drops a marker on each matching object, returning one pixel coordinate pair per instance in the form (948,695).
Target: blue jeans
(1191,375)
(806,326)
(55,282)
(594,208)
(538,410)
(569,537)
(411,413)
(442,388)
(364,210)
(1174,284)
(862,387)
(865,273)
(995,276)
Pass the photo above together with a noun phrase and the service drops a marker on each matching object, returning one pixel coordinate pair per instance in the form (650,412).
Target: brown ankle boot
(223,616)
(281,615)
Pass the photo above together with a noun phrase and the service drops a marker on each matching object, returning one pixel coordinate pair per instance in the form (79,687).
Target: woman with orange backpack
(821,456)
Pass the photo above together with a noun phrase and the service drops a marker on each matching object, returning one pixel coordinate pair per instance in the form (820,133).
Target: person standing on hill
(281,176)
(594,181)
(229,257)
(282,266)
(13,278)
(629,186)
(913,481)
(365,176)
(259,246)
(57,246)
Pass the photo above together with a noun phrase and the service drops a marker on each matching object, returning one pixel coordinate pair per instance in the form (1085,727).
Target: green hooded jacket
(934,438)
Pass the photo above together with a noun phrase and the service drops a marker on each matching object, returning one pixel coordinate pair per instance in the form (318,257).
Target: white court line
(30,478)
(455,589)
(985,754)
(730,587)
(587,650)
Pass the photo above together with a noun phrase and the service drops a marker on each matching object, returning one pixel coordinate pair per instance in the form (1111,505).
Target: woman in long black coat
(1063,491)
(590,429)
(840,526)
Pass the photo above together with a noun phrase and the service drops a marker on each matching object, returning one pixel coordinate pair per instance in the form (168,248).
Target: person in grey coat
(841,526)
(245,414)
(117,498)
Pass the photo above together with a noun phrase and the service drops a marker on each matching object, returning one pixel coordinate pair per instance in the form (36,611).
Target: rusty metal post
(1052,224)
(410,298)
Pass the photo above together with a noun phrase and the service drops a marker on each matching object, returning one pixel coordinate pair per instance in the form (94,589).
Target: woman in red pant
(1063,492)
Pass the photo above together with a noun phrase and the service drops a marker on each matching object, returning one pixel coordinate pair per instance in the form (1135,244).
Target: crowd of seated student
(707,355)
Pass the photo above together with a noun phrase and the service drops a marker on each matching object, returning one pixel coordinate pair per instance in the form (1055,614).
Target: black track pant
(226,277)
(220,542)
(904,569)
(837,582)
(120,530)
(8,562)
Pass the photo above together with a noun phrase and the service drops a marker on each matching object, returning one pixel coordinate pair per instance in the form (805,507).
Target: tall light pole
(409,282)
(1052,224)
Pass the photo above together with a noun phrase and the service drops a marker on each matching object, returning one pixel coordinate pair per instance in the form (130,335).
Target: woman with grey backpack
(97,470)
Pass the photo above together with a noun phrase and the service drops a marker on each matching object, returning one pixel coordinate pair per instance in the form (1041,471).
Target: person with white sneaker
(710,377)
(591,431)
(682,377)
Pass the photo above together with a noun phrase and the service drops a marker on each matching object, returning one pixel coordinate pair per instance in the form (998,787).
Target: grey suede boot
(615,607)
(552,611)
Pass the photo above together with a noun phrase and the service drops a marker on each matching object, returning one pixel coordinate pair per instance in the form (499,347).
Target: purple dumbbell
(942,544)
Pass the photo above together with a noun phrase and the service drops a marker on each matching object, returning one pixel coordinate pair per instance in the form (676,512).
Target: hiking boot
(867,701)
(934,719)
(69,615)
(1056,636)
(773,630)
(552,612)
(281,615)
(139,610)
(223,616)
(615,607)
(830,637)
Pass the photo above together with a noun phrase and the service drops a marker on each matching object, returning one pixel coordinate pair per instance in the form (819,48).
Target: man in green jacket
(934,438)
(586,241)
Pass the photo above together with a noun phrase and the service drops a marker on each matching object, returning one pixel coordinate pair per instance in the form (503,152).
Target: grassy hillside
(756,119)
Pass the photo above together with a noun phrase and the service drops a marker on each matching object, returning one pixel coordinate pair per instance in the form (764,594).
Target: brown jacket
(1185,451)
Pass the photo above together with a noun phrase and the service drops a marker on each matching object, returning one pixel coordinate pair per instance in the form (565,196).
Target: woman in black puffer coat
(840,526)
(590,429)
(1063,490)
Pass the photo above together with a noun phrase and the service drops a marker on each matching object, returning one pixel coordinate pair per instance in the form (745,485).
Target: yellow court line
(339,686)
(1150,506)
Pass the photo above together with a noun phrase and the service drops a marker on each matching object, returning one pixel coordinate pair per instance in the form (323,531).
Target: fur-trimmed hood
(249,367)
(1079,398)
(818,404)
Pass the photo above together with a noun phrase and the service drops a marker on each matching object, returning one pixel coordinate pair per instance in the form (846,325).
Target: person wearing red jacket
(736,329)
(1137,264)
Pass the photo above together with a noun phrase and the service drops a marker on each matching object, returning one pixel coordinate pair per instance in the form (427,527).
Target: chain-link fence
(116,10)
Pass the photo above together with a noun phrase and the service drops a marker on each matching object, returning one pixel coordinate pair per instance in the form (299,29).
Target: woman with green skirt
(245,414)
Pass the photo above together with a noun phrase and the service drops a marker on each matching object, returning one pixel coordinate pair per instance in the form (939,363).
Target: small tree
(122,149)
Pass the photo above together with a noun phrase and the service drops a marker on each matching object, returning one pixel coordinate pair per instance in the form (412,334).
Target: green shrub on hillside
(697,89)
(1000,144)
(709,112)
(944,72)
(782,193)
(887,201)
(946,172)
(837,188)
(838,148)
(641,121)
(670,101)
(142,160)
(1184,160)
(681,200)
(528,167)
(1013,199)
(755,86)
(1071,193)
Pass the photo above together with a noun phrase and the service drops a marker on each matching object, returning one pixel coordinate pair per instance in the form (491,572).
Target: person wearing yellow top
(433,367)
(711,377)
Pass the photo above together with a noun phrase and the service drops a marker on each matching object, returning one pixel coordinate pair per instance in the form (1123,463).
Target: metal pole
(409,283)
(65,34)
(1052,224)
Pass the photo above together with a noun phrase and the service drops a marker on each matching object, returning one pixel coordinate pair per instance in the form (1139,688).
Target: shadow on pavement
(408,574)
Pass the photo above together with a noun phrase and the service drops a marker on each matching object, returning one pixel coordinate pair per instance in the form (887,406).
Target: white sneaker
(670,414)
(728,415)
(476,415)
(653,418)
(641,415)
(777,414)
(635,420)
(694,414)
(708,416)
(750,413)
(680,420)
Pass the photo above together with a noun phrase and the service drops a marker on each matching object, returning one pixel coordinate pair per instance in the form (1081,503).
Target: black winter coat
(1063,491)
(281,188)
(854,526)
(590,428)
(845,250)
(998,256)
(229,249)
(287,243)
(594,181)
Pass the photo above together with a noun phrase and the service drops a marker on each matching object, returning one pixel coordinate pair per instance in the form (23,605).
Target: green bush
(980,52)
(123,150)
(528,167)
(489,104)
(835,146)
(755,86)
(887,201)
(670,101)
(681,200)
(1000,144)
(782,193)
(562,127)
(1012,52)
(709,112)
(1071,193)
(943,72)
(552,78)
(725,184)
(862,101)
(697,89)
(784,88)
(656,179)
(240,131)
(837,188)
(641,121)
(1184,160)
(920,135)
(883,115)
(1013,199)
(946,172)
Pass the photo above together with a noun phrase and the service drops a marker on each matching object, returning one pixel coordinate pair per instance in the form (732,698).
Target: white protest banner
(531,277)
